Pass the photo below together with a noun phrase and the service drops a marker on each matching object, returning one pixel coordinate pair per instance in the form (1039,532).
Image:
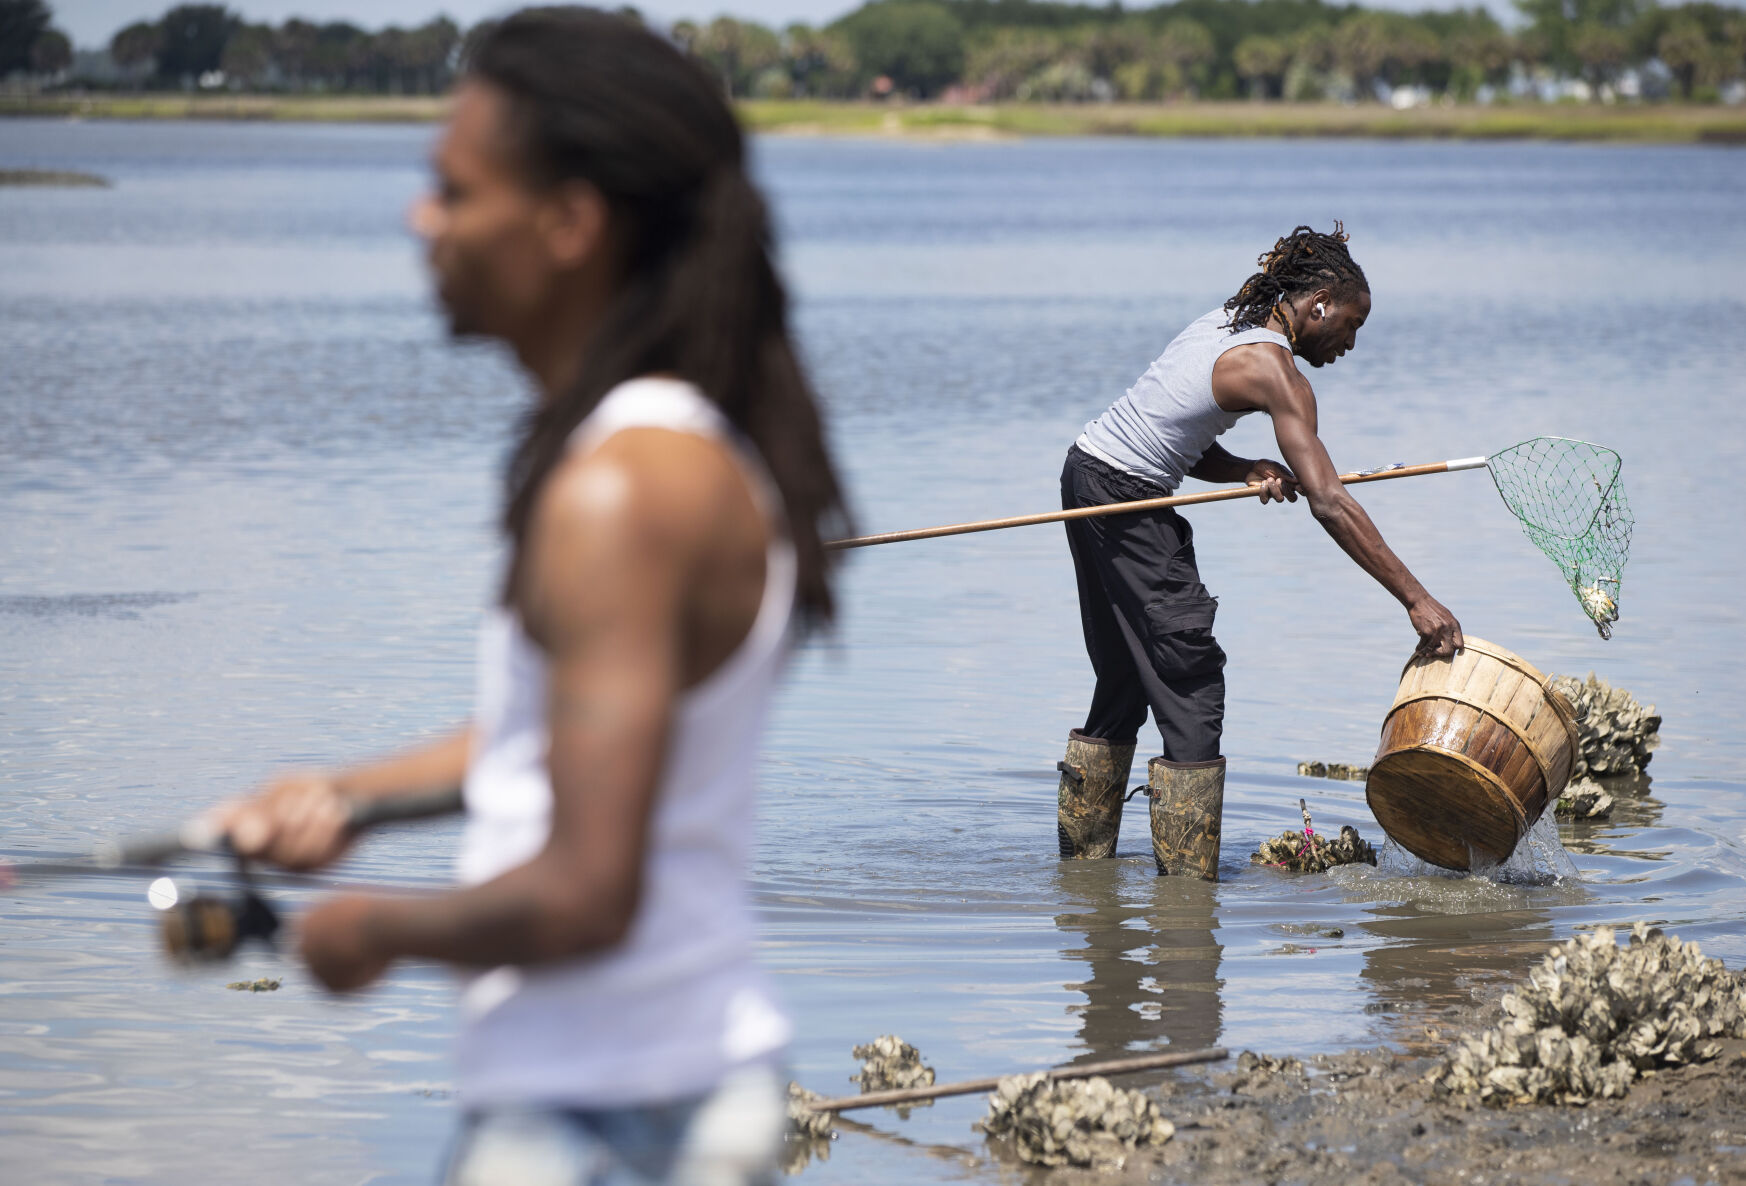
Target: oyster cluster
(1250,1063)
(1615,734)
(1311,852)
(1082,1122)
(1339,770)
(803,1121)
(809,1134)
(889,1063)
(1595,1016)
(1263,1075)
(1583,799)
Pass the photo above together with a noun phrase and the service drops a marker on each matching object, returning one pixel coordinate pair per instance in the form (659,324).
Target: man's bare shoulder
(1257,376)
(619,532)
(661,484)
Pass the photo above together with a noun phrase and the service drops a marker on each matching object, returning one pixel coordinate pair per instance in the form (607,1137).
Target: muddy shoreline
(1370,1118)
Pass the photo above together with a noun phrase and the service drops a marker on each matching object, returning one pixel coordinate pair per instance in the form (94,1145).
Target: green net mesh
(1571,502)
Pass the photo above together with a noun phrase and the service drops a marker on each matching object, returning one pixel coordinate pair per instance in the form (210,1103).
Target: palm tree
(1262,62)
(1601,50)
(1685,49)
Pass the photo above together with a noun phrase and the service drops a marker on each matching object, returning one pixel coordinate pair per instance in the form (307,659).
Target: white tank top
(680,1002)
(1165,422)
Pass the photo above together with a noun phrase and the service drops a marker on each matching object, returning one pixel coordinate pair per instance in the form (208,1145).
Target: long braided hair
(596,97)
(1301,262)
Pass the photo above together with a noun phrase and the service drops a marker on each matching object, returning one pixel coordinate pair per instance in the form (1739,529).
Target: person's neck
(553,350)
(554,361)
(1279,322)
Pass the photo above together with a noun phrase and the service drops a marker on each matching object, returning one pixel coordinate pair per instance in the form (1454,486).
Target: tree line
(195,45)
(994,50)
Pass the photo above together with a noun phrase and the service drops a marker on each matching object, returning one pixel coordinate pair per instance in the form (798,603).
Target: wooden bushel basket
(1472,751)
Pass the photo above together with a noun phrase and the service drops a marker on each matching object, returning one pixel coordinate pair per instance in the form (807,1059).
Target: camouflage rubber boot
(1094,781)
(1188,805)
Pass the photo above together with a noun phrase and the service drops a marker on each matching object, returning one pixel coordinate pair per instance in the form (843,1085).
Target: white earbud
(1321,310)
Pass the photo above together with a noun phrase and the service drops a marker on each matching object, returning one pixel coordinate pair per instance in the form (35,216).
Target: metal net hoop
(1571,503)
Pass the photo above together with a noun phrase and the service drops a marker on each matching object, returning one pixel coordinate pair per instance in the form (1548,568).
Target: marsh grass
(1657,123)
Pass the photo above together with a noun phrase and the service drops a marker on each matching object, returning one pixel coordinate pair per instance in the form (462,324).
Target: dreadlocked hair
(1301,262)
(594,96)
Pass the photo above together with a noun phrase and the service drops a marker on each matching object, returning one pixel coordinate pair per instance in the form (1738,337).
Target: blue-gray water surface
(246,522)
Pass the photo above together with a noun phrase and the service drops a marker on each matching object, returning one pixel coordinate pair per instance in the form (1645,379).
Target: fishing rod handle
(387,809)
(201,835)
(196,835)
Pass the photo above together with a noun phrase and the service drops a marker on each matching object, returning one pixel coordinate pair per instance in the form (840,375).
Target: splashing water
(1539,859)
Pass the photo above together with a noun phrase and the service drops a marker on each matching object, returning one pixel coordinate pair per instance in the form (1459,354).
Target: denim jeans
(729,1137)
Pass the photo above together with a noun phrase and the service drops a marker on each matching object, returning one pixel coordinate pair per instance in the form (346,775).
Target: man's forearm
(1217,464)
(1346,521)
(531,914)
(434,767)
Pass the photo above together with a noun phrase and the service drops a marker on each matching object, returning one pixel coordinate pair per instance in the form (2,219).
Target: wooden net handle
(1144,504)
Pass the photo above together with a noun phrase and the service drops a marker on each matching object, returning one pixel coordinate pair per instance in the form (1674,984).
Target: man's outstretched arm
(1341,516)
(1263,377)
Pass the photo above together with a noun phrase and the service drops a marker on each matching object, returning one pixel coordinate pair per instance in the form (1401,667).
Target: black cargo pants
(1147,618)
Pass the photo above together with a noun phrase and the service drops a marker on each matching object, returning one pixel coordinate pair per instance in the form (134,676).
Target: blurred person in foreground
(664,510)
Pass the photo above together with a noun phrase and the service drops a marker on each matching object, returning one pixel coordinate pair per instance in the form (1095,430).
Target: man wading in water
(664,511)
(1147,617)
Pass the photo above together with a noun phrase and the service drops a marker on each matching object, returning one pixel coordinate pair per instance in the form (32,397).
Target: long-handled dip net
(1567,494)
(1571,502)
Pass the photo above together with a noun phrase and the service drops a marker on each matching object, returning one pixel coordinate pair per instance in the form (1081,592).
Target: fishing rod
(208,927)
(1567,494)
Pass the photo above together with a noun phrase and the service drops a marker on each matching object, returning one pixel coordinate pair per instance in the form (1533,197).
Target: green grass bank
(1642,124)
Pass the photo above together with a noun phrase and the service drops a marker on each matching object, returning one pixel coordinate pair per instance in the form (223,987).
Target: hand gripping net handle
(1571,502)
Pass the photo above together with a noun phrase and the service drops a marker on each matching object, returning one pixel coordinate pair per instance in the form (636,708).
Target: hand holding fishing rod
(205,926)
(211,927)
(305,820)
(212,832)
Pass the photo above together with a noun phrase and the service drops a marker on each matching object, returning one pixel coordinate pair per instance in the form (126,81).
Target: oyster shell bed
(1314,853)
(1615,735)
(264,984)
(1081,1122)
(888,1063)
(1583,799)
(1594,1017)
(1340,770)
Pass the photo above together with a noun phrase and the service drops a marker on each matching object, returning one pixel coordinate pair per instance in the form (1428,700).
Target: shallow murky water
(246,508)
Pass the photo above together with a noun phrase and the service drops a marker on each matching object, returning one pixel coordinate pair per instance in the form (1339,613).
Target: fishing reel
(208,928)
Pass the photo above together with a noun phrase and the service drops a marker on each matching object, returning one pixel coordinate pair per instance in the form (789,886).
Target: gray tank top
(1160,428)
